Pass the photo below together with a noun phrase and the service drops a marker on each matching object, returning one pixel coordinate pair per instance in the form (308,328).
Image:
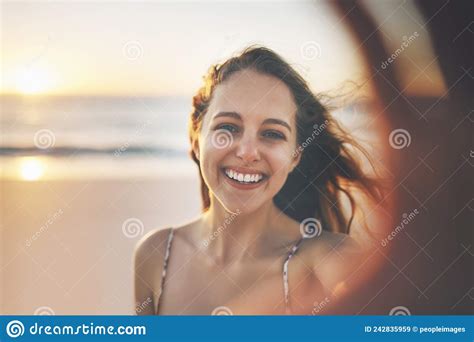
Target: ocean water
(95,135)
(84,123)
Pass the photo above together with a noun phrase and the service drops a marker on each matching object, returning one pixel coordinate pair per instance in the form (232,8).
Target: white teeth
(244,178)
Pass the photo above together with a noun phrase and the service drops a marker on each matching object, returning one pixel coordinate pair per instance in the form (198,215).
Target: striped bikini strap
(285,274)
(165,267)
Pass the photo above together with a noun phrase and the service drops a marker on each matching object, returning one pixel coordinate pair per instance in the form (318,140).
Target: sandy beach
(67,245)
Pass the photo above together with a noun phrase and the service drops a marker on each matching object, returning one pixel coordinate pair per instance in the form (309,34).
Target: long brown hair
(328,167)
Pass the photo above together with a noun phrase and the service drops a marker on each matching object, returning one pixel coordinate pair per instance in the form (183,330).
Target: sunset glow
(34,80)
(31,169)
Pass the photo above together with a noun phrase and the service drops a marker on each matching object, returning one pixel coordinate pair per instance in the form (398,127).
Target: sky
(164,48)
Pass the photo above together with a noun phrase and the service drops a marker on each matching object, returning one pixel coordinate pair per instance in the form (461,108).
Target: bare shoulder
(151,249)
(147,263)
(343,243)
(152,243)
(333,257)
(329,242)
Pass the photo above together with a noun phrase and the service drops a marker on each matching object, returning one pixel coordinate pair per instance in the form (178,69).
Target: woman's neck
(240,235)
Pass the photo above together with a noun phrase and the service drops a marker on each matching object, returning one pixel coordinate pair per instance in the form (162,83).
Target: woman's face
(246,144)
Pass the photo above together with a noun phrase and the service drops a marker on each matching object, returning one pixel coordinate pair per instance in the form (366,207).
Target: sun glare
(34,81)
(31,169)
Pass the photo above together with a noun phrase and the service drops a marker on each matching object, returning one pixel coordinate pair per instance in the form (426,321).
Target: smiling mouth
(244,178)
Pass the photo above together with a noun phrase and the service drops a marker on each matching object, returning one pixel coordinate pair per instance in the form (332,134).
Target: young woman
(276,172)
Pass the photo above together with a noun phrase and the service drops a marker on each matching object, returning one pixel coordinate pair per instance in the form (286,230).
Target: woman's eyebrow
(234,115)
(277,122)
(237,116)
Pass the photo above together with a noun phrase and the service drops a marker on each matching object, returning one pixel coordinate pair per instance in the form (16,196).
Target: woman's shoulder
(154,242)
(332,257)
(322,243)
(328,241)
(330,246)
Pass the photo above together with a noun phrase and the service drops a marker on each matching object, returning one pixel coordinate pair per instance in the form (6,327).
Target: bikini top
(292,252)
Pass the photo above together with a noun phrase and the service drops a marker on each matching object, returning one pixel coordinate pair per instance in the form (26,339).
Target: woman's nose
(247,149)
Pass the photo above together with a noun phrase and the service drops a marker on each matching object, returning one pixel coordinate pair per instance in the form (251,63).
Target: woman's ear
(295,161)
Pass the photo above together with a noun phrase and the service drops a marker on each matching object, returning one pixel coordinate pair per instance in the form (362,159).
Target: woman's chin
(234,207)
(241,207)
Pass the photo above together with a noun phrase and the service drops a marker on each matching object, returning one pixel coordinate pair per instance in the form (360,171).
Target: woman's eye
(274,135)
(228,127)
